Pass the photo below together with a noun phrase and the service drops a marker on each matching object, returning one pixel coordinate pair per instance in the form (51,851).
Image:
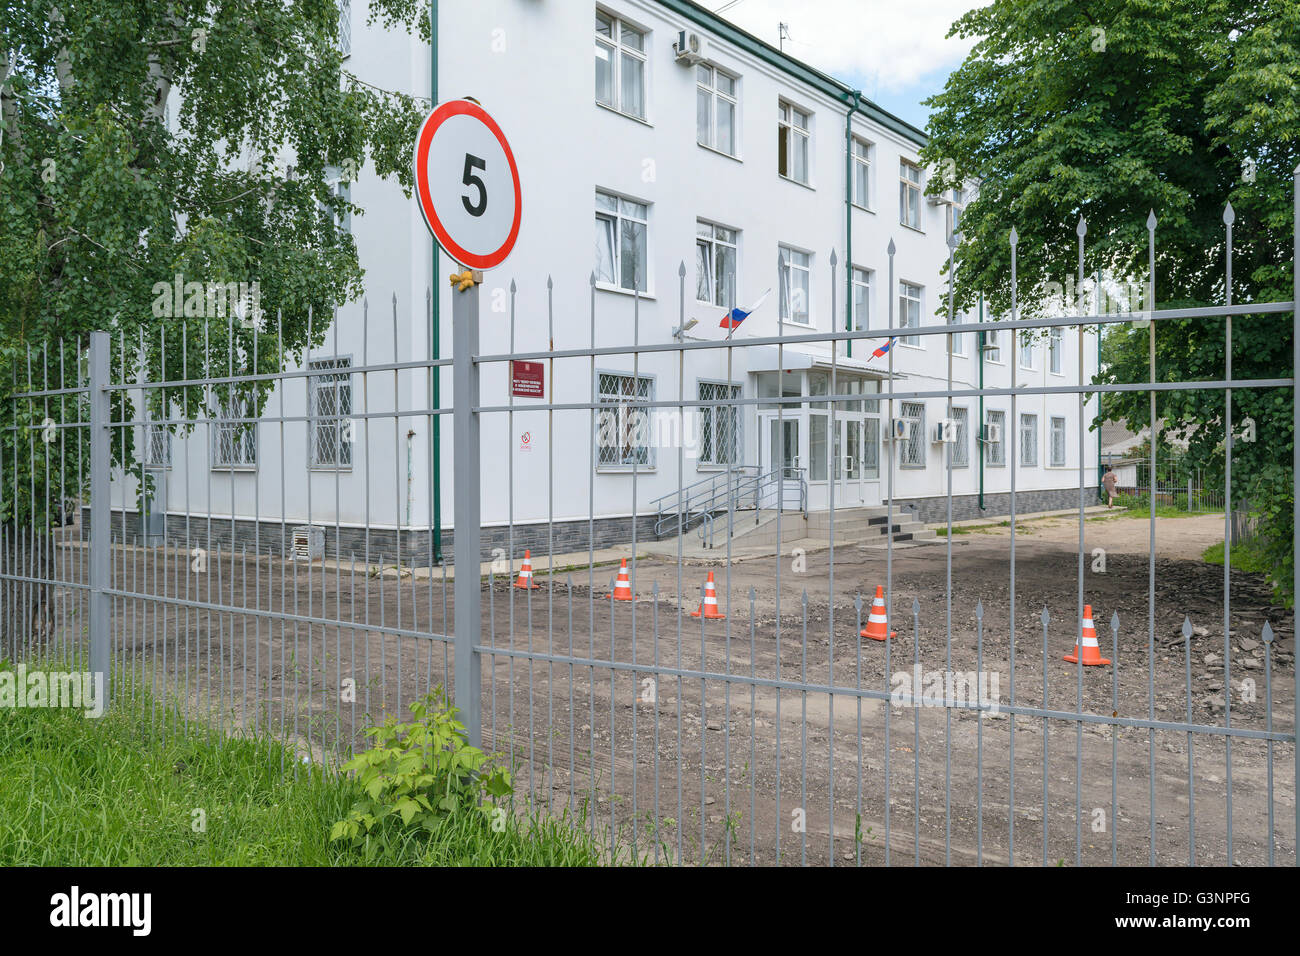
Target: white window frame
(714,93)
(862,279)
(787,288)
(788,131)
(619,52)
(710,245)
(245,454)
(905,319)
(863,149)
(956,206)
(1028,440)
(996,416)
(993,338)
(345,28)
(909,189)
(1051,449)
(958,339)
(914,451)
(708,390)
(961,447)
(1055,350)
(618,217)
(619,401)
(1026,350)
(334,375)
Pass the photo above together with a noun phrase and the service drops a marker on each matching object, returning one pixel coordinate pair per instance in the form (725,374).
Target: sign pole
(466,544)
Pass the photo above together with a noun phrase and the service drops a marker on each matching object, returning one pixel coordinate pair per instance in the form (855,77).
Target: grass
(112,792)
(1248,556)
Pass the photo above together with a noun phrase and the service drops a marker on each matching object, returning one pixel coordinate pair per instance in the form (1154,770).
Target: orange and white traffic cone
(1091,650)
(623,585)
(877,621)
(525,581)
(709,606)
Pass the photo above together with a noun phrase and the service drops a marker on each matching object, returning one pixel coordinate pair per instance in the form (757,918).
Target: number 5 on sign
(467,184)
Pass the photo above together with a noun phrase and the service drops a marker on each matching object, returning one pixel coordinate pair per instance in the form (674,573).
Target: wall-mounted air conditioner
(992,434)
(945,432)
(690,48)
(900,428)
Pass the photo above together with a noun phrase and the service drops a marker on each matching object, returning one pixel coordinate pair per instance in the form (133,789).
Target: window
(912,453)
(861,173)
(234,441)
(1058,442)
(961,449)
(331,411)
(621,227)
(157,446)
(861,299)
(1054,350)
(992,350)
(958,338)
(996,456)
(341,190)
(795,280)
(871,448)
(792,143)
(345,27)
(715,109)
(1026,351)
(1029,440)
(624,435)
(818,447)
(909,194)
(955,209)
(715,264)
(719,425)
(620,65)
(909,311)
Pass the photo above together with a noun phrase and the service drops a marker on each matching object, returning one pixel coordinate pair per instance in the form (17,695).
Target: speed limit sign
(467,184)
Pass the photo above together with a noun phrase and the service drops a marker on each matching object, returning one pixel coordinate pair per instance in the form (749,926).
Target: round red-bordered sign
(467,184)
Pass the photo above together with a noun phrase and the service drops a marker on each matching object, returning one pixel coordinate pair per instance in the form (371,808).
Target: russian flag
(733,318)
(884,348)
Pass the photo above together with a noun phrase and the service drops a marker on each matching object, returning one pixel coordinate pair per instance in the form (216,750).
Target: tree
(169,166)
(1109,109)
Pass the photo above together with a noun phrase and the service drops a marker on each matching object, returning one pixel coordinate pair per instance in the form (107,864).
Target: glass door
(850,462)
(782,455)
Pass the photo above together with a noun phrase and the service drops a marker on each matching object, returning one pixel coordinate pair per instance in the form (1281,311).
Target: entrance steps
(756,533)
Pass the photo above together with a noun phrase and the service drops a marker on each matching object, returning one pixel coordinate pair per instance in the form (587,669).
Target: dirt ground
(687,748)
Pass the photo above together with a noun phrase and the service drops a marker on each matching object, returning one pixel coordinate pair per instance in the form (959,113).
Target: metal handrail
(716,500)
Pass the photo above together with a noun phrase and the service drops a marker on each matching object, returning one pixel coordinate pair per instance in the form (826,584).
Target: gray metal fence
(777,734)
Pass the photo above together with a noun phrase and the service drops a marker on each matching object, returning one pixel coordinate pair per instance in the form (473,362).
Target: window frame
(1026,348)
(864,161)
(330,371)
(223,424)
(618,50)
(713,242)
(908,187)
(783,279)
(1051,442)
(1056,351)
(344,38)
(715,94)
(961,415)
(622,410)
(1001,446)
(619,217)
(1029,419)
(708,413)
(910,341)
(867,284)
(786,131)
(916,438)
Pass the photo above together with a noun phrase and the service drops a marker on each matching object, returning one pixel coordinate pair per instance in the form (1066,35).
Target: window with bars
(719,439)
(861,299)
(793,134)
(622,228)
(623,437)
(909,194)
(345,27)
(716,103)
(996,454)
(1028,440)
(912,454)
(715,264)
(331,411)
(157,446)
(1058,442)
(795,280)
(620,65)
(234,440)
(961,448)
(909,311)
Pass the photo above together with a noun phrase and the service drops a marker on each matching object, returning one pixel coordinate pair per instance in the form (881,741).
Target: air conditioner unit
(992,434)
(308,543)
(690,48)
(945,432)
(900,428)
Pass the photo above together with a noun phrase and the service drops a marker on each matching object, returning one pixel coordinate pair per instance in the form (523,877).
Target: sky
(894,51)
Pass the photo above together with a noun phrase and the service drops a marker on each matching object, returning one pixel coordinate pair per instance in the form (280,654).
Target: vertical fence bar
(100,489)
(1295,455)
(465,393)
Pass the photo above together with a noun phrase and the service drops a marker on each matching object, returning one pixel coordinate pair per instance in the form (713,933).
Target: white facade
(531,66)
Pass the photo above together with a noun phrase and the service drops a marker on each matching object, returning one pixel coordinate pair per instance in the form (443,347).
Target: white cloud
(887,45)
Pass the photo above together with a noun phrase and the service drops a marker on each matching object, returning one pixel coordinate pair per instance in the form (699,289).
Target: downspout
(854,107)
(979,345)
(435,310)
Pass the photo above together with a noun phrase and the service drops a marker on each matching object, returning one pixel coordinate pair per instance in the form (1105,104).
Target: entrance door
(781,437)
(849,461)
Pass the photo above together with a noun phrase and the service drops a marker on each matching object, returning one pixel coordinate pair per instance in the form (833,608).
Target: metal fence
(778,734)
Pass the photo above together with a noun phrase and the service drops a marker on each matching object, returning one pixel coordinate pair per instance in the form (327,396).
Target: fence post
(465,493)
(101,548)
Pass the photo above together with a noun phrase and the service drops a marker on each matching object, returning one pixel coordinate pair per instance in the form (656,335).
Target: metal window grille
(624,426)
(720,430)
(913,450)
(331,410)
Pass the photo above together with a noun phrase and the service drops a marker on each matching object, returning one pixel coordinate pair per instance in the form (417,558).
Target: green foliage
(420,772)
(1108,109)
(1251,557)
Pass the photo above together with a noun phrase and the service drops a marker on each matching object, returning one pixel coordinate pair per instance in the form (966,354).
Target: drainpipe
(979,346)
(854,107)
(435,439)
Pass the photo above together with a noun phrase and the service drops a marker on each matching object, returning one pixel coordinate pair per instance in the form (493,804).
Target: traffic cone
(877,622)
(709,606)
(1091,650)
(622,586)
(525,582)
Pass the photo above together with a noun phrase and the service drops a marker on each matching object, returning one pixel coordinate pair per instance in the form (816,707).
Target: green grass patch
(118,791)
(1248,556)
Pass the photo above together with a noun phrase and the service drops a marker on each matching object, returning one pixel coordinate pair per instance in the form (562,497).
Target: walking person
(1108,481)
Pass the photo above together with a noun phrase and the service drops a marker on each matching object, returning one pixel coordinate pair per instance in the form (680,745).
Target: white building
(743,163)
